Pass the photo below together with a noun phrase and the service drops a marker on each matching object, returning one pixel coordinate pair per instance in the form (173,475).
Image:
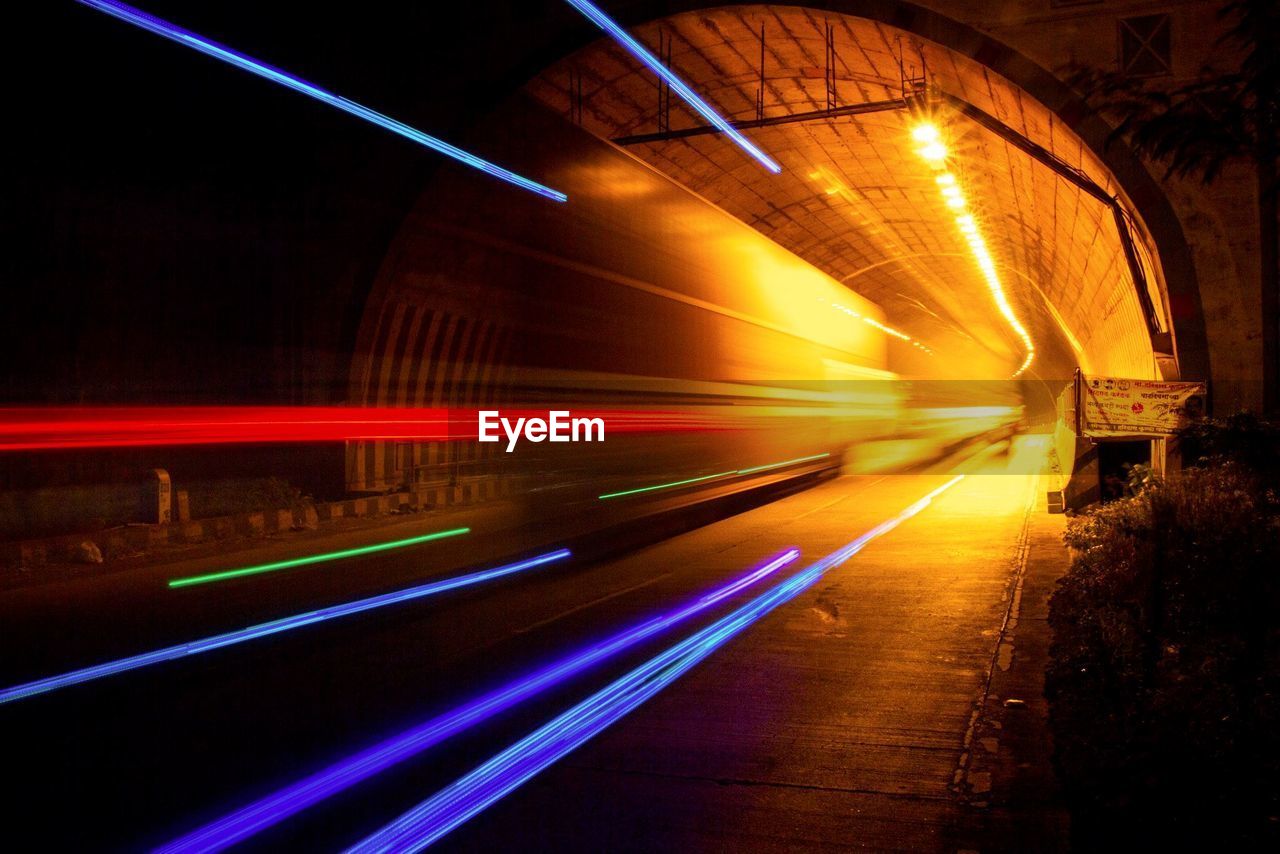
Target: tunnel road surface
(836,720)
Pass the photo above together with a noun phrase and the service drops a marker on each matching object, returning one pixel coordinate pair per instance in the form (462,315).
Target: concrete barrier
(138,539)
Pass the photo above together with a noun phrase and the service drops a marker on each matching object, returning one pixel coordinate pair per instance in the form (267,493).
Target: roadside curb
(138,538)
(1005,777)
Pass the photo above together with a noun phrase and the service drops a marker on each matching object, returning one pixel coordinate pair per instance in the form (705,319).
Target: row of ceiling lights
(933,150)
(887,330)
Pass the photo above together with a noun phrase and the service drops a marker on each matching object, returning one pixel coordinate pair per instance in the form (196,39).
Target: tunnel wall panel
(636,292)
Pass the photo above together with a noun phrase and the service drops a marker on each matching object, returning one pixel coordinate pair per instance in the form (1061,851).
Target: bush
(54,510)
(1242,438)
(240,495)
(1164,676)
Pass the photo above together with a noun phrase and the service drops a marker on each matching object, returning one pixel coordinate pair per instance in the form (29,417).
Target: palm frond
(1195,128)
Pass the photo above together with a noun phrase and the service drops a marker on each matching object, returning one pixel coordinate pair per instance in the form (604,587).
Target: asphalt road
(835,721)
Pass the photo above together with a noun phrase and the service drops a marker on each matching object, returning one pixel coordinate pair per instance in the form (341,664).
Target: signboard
(1113,407)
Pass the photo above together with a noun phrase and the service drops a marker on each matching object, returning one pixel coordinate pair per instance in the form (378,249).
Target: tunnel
(1077,280)
(651,425)
(282,281)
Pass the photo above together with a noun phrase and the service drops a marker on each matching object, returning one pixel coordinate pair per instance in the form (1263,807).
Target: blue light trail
(138,18)
(276,807)
(474,792)
(604,22)
(274,627)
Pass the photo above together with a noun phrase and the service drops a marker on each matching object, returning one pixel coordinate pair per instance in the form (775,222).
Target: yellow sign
(1110,406)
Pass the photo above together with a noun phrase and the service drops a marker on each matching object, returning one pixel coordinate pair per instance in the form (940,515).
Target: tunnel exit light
(604,22)
(934,152)
(210,48)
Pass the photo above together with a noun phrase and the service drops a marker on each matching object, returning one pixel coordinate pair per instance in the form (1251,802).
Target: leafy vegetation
(1164,680)
(240,495)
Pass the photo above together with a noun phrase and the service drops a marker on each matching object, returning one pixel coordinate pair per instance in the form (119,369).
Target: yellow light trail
(887,330)
(838,188)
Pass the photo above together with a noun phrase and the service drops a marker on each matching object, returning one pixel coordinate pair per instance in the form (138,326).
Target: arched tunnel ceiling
(855,199)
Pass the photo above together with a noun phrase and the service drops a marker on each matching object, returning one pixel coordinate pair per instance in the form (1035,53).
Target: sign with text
(1110,406)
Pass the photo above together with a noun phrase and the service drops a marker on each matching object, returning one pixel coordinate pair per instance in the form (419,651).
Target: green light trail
(665,485)
(781,464)
(676,483)
(320,558)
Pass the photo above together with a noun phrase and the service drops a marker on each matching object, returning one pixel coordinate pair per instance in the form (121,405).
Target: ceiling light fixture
(934,152)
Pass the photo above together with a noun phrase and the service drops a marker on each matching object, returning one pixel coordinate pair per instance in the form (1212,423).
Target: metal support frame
(664,88)
(911,84)
(831,67)
(769,121)
(760,89)
(575,96)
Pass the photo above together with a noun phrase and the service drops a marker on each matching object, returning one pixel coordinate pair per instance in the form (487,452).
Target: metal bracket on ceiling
(768,121)
(833,108)
(913,84)
(831,66)
(760,89)
(575,96)
(916,90)
(664,88)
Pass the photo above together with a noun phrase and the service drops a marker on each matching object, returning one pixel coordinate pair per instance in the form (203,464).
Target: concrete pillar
(181,506)
(159,509)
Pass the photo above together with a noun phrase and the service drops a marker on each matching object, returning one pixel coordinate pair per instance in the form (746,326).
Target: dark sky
(178,230)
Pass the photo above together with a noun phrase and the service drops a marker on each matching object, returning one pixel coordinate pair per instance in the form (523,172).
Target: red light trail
(69,428)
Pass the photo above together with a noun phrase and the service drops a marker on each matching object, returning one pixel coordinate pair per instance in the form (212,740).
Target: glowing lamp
(934,152)
(925,133)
